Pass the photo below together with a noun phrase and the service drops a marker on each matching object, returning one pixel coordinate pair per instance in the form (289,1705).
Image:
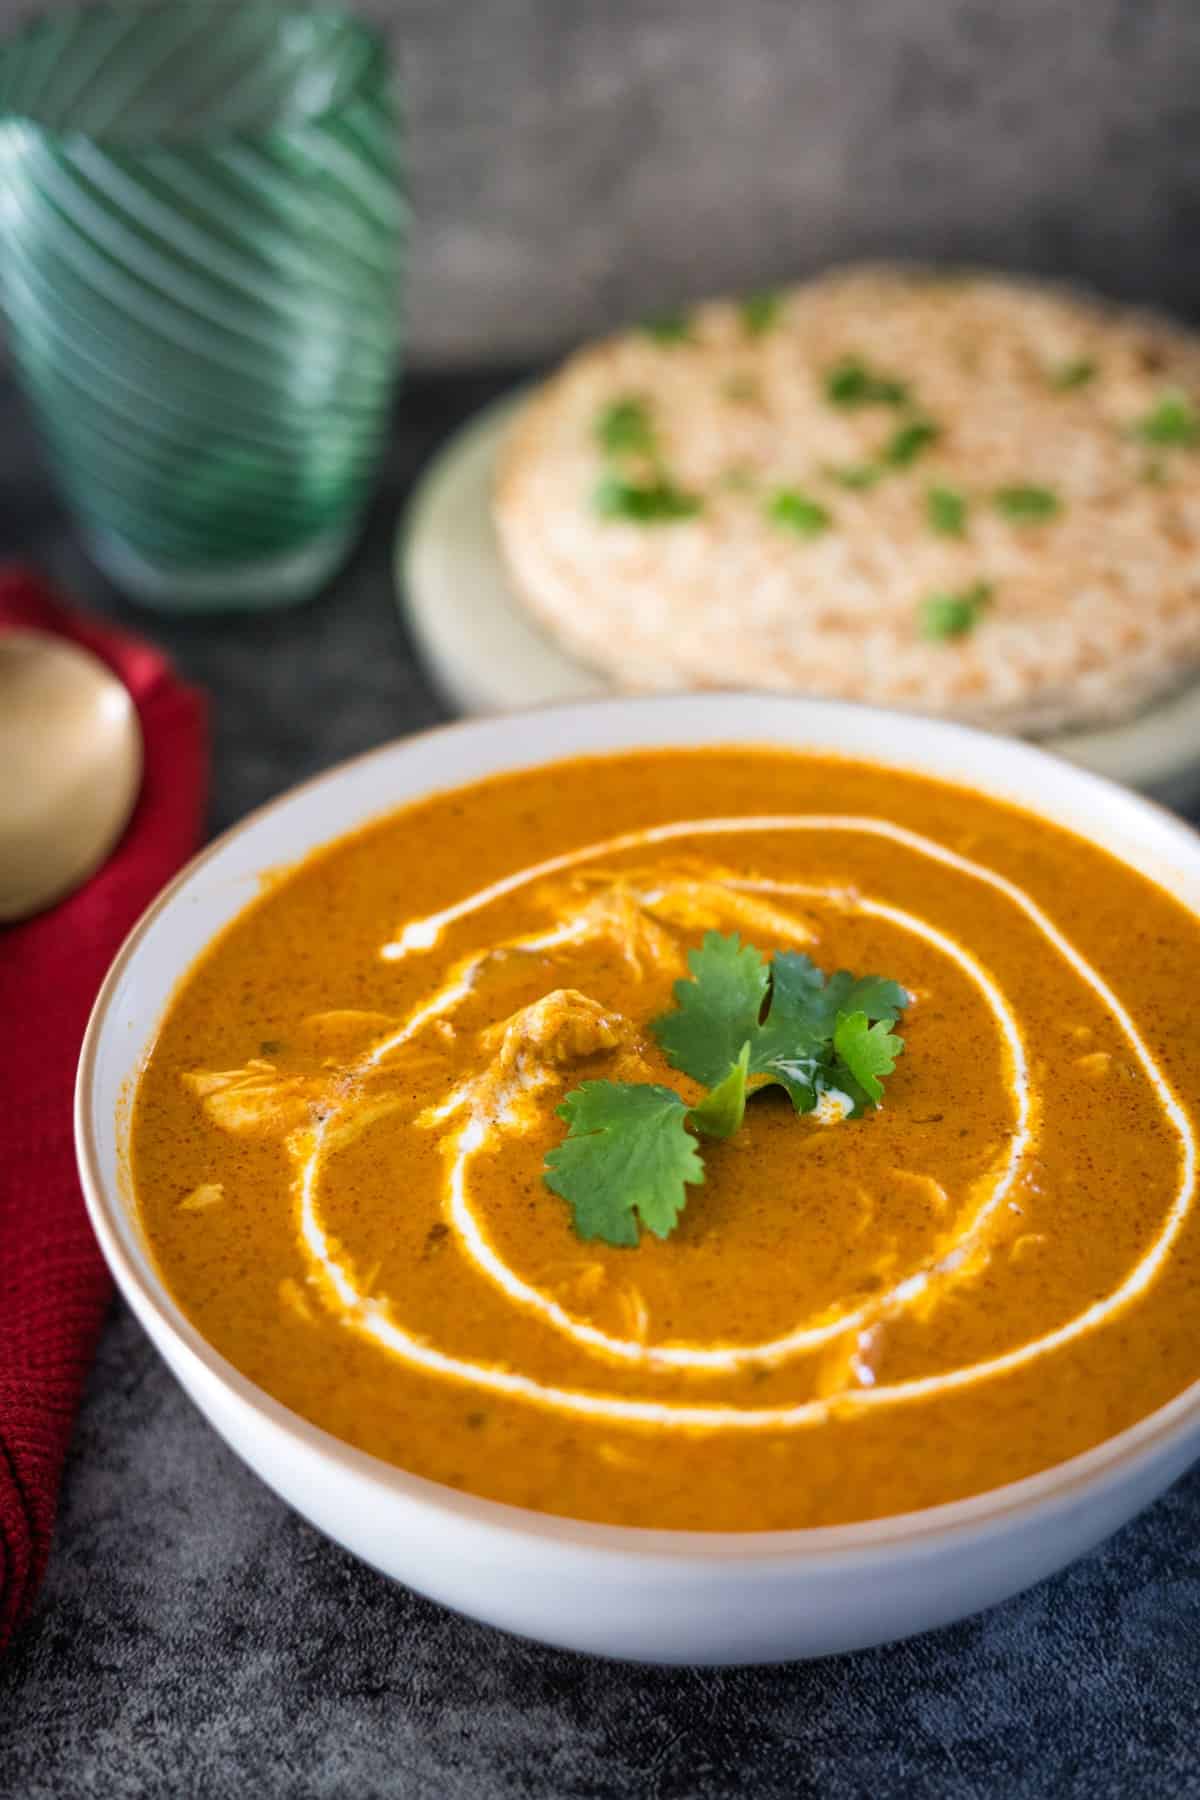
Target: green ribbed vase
(201,244)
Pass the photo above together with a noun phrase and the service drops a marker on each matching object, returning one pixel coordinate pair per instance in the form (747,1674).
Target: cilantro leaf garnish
(851,383)
(792,1042)
(717,1010)
(873,994)
(951,615)
(740,1023)
(795,1044)
(806,517)
(867,1051)
(759,312)
(1074,374)
(1027,505)
(1173,421)
(624,426)
(723,1108)
(946,511)
(669,328)
(906,444)
(652,502)
(627,1158)
(946,616)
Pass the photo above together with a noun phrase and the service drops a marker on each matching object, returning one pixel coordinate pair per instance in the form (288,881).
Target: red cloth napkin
(54,1286)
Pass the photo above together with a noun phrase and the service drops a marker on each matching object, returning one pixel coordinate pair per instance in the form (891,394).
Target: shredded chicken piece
(530,1049)
(632,900)
(635,1314)
(932,1189)
(590,1281)
(292,1295)
(618,914)
(364,1113)
(256,1100)
(706,905)
(866,1211)
(638,912)
(563,1027)
(209,1193)
(1026,1245)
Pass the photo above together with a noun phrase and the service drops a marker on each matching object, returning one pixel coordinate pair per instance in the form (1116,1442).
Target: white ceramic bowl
(658,1596)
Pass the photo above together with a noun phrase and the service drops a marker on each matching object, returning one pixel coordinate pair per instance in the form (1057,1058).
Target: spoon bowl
(70,768)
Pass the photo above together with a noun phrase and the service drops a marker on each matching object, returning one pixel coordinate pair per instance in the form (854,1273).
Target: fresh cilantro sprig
(906,444)
(627,1157)
(739,1024)
(852,383)
(655,501)
(640,492)
(723,1108)
(792,1043)
(944,616)
(625,427)
(759,312)
(1027,505)
(669,327)
(796,512)
(865,1052)
(946,510)
(1174,420)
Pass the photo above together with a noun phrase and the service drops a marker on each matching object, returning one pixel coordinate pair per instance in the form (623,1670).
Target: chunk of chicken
(617,914)
(529,1051)
(563,1027)
(256,1100)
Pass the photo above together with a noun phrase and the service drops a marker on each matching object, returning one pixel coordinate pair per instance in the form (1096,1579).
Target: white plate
(487,655)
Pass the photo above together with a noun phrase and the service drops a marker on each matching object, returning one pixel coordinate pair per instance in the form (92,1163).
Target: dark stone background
(578,162)
(194,1638)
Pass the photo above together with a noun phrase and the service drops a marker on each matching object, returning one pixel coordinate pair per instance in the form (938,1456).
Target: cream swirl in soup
(340,1145)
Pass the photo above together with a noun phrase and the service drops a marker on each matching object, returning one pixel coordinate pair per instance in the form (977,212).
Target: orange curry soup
(339,1139)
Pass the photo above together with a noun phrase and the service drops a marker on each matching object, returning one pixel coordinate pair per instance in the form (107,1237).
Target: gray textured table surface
(196,1638)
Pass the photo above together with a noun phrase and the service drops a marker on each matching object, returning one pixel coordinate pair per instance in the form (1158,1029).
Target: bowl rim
(1050,1489)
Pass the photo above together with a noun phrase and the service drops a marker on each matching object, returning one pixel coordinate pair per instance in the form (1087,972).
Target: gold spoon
(70,768)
